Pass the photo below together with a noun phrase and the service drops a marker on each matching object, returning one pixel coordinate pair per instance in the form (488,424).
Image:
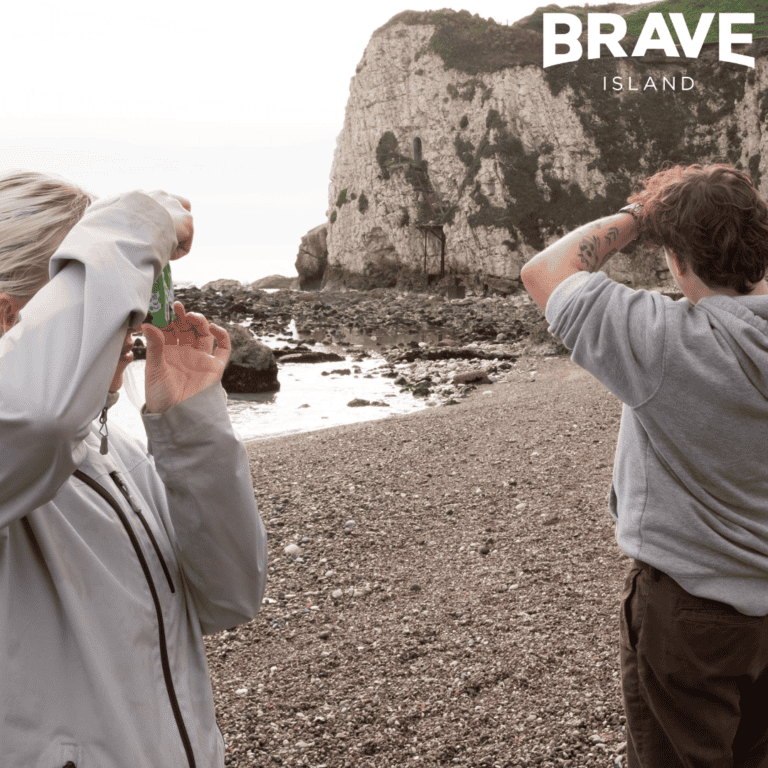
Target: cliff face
(461,157)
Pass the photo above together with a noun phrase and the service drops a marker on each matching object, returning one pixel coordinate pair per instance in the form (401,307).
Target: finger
(180,324)
(223,343)
(198,326)
(155,340)
(196,319)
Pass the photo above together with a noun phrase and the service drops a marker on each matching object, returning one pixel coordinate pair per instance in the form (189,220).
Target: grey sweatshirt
(690,478)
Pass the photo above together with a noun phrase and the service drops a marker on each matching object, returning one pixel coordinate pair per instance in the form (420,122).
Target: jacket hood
(742,323)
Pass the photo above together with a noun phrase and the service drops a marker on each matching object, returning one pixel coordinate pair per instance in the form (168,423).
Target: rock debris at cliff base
(475,318)
(476,337)
(450,591)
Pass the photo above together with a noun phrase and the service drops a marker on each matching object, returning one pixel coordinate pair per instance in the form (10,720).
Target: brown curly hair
(712,218)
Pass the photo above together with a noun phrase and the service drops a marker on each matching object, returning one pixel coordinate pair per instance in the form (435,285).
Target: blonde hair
(36,212)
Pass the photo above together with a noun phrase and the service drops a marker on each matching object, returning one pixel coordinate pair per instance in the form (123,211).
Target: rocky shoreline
(474,340)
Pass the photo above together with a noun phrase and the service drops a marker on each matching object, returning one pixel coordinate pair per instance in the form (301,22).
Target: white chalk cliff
(461,157)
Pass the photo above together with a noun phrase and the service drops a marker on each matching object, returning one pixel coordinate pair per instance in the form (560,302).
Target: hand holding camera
(181,360)
(162,300)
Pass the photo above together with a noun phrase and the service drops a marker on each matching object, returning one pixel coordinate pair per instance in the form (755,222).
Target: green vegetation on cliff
(636,132)
(530,210)
(692,9)
(472,44)
(390,160)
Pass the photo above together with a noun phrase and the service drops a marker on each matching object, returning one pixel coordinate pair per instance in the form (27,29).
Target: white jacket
(112,567)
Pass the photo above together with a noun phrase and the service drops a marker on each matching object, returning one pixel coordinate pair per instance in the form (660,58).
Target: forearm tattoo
(592,254)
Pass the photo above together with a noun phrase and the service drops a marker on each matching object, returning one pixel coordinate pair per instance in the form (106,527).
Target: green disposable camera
(161,312)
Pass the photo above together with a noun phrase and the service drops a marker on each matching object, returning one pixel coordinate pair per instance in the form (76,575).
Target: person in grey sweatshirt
(690,479)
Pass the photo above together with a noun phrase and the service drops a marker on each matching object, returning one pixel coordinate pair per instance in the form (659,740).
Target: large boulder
(251,367)
(224,285)
(276,281)
(312,258)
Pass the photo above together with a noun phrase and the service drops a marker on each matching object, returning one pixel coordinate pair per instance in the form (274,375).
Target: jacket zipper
(137,509)
(107,496)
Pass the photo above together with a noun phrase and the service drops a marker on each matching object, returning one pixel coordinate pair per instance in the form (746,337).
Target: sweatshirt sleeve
(614,332)
(57,362)
(222,542)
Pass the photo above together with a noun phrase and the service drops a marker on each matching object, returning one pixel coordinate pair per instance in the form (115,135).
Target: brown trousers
(694,675)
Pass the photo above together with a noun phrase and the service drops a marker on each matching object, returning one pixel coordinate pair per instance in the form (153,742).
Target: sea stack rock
(312,258)
(461,157)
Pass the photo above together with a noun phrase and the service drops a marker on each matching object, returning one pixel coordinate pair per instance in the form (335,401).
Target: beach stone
(476,377)
(251,367)
(139,349)
(223,285)
(292,549)
(312,357)
(276,281)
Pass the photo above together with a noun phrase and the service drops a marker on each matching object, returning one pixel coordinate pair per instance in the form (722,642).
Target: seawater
(307,400)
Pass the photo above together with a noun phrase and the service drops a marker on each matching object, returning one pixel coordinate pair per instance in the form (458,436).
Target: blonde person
(115,557)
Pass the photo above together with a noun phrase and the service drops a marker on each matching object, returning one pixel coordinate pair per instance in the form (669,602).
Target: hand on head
(179,210)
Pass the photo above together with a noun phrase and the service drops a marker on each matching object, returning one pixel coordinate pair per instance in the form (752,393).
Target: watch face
(161,312)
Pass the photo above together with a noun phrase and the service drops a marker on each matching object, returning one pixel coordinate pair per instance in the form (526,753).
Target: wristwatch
(633,209)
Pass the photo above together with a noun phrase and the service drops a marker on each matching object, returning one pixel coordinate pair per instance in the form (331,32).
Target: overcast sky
(234,105)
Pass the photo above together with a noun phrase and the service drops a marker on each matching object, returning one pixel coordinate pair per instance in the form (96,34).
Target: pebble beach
(443,587)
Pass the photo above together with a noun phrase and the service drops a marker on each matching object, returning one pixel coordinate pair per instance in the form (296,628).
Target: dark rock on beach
(252,366)
(486,333)
(475,377)
(139,349)
(312,357)
(447,353)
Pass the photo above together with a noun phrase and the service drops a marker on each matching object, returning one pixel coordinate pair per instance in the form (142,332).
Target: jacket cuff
(188,419)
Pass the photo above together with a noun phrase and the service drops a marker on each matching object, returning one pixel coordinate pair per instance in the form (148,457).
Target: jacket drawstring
(104,432)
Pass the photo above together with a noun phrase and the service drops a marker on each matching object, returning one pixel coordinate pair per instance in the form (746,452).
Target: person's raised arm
(585,249)
(57,362)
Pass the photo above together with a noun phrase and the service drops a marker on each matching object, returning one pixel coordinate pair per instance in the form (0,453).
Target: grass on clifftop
(472,44)
(692,9)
